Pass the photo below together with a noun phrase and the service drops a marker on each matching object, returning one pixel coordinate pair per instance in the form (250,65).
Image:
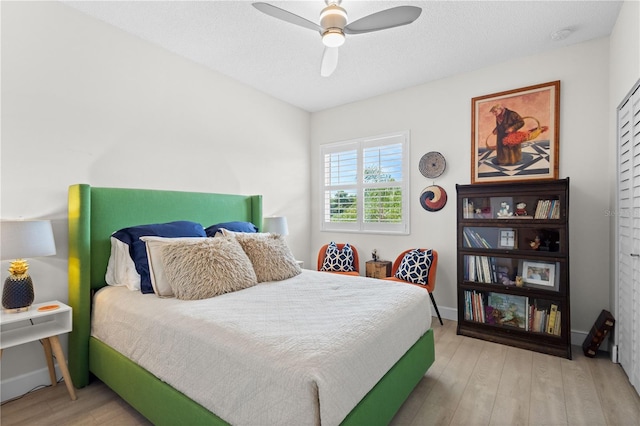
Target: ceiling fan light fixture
(333,16)
(333,37)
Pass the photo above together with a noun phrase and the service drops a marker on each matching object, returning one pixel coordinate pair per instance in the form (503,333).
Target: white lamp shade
(25,239)
(276,225)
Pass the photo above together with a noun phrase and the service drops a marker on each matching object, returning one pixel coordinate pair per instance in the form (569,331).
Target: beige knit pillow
(206,269)
(271,257)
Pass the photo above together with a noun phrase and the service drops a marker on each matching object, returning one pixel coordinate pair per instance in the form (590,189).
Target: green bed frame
(94,214)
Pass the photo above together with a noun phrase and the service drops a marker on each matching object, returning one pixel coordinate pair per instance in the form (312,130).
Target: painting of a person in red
(507,122)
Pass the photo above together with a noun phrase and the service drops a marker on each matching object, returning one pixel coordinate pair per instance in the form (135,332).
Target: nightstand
(44,325)
(378,268)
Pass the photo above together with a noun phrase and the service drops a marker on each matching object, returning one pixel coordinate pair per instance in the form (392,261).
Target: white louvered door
(628,303)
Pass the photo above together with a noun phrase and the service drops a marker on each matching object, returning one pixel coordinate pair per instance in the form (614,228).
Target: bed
(94,213)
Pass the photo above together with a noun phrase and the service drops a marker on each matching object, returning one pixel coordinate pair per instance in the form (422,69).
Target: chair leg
(436,307)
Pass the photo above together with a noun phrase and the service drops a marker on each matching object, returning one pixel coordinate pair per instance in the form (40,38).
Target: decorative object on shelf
(504,211)
(433,198)
(519,281)
(374,255)
(506,145)
(276,225)
(521,209)
(503,276)
(432,164)
(20,240)
(535,244)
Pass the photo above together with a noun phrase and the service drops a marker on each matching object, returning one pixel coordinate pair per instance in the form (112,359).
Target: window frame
(359,187)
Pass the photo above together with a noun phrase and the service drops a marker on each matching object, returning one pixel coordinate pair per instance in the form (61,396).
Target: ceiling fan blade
(389,18)
(286,16)
(329,61)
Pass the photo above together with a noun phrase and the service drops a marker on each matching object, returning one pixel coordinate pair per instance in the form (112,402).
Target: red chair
(356,261)
(431,278)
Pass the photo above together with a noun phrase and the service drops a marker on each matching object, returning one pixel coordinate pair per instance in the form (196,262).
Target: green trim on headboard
(95,213)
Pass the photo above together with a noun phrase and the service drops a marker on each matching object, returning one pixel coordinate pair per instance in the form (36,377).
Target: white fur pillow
(271,257)
(161,286)
(206,269)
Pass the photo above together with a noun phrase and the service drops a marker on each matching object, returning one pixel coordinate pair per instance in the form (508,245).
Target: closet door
(628,304)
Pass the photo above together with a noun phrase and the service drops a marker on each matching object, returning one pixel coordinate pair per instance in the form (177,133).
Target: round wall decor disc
(432,164)
(433,198)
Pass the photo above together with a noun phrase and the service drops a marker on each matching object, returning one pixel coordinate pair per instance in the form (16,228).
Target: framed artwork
(539,274)
(515,134)
(507,239)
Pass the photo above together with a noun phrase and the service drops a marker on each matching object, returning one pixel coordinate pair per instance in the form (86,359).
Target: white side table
(44,322)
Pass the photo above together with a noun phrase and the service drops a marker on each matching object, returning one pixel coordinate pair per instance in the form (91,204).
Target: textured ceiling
(283,60)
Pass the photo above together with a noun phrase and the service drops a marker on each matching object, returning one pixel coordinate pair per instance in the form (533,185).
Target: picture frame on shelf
(508,238)
(539,274)
(515,134)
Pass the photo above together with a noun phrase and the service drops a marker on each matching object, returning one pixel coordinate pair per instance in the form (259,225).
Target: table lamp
(19,240)
(276,225)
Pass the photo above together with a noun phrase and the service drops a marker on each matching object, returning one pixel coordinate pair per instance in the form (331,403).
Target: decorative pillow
(200,270)
(414,266)
(121,271)
(338,260)
(231,226)
(154,245)
(270,256)
(138,251)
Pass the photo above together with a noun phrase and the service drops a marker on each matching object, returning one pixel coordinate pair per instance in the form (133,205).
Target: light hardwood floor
(472,382)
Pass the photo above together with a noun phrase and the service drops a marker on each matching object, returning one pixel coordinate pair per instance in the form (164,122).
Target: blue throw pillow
(138,250)
(414,266)
(231,226)
(338,260)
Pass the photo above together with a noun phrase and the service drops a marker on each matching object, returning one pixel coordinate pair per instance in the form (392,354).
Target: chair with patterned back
(418,269)
(339,258)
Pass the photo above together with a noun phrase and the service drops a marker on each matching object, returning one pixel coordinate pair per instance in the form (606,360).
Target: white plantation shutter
(366,185)
(628,304)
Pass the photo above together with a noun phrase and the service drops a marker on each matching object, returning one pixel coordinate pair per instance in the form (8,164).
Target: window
(366,185)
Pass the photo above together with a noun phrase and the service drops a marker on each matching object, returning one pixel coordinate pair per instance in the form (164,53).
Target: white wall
(83,102)
(438,116)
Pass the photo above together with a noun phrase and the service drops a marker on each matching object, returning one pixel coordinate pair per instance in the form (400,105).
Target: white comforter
(301,351)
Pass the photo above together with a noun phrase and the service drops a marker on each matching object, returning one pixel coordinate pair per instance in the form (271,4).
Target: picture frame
(515,134)
(539,274)
(507,238)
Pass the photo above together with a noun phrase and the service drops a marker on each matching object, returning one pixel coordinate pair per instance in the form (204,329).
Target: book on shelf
(545,319)
(481,269)
(473,239)
(556,329)
(547,209)
(507,309)
(474,306)
(553,311)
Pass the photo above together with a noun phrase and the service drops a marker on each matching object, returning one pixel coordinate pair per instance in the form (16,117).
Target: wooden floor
(472,382)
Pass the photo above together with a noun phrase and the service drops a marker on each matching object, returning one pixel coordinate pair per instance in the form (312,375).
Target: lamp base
(17,294)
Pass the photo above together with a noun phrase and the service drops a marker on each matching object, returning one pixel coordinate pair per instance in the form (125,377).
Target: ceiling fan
(333,25)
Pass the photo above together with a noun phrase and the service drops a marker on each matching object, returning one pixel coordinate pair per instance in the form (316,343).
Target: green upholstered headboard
(95,213)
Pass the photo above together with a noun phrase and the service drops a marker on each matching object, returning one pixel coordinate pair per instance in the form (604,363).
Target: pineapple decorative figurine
(17,294)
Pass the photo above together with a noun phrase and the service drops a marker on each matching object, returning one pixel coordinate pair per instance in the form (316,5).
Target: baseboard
(445,313)
(19,385)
